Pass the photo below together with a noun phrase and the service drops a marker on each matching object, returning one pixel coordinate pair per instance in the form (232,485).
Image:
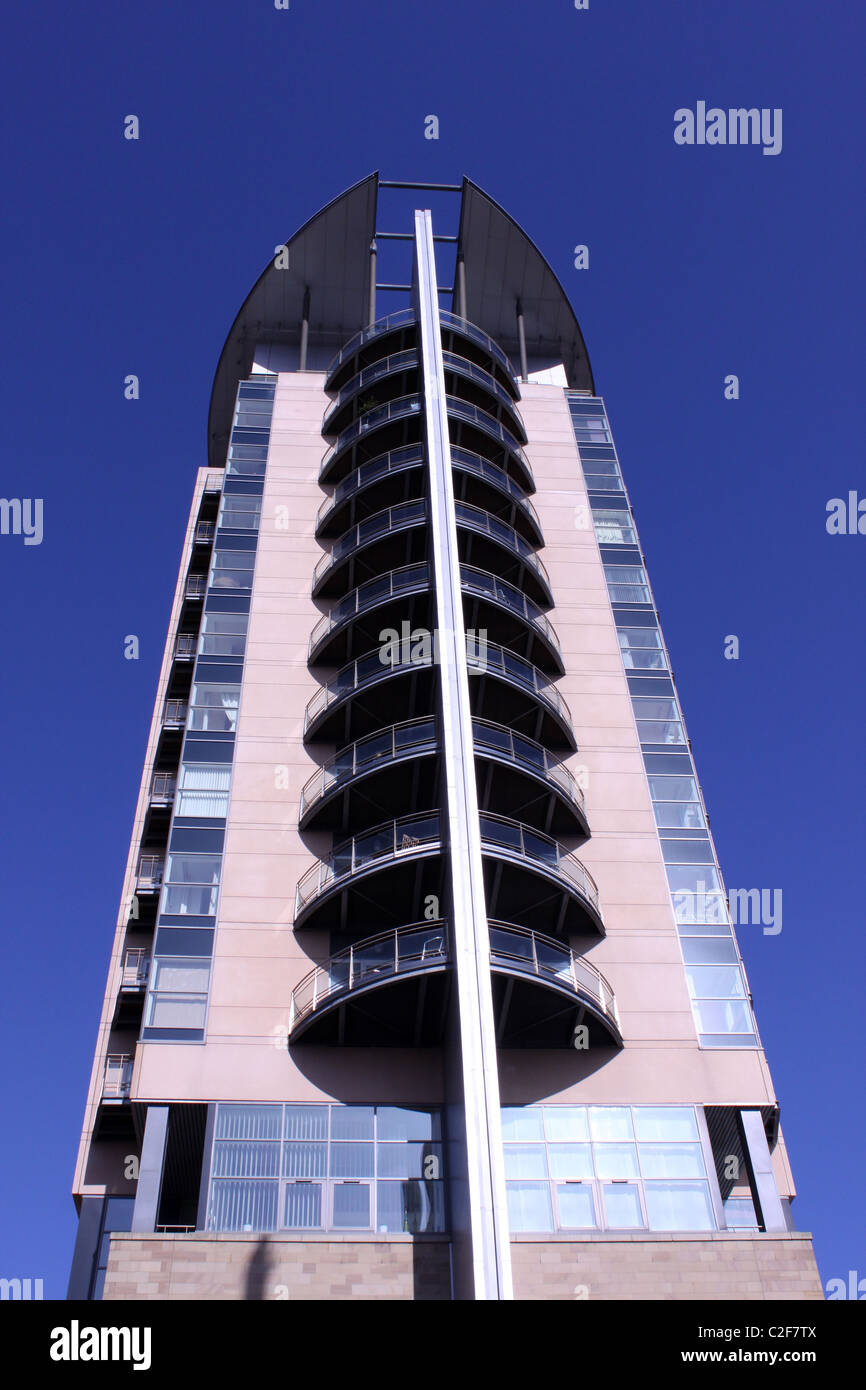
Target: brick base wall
(217,1266)
(718,1266)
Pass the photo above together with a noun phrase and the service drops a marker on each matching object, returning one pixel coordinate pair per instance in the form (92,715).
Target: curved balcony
(401,318)
(407,360)
(471,469)
(508,688)
(395,362)
(398,766)
(374,542)
(401,977)
(542,992)
(455,324)
(391,869)
(462,417)
(490,604)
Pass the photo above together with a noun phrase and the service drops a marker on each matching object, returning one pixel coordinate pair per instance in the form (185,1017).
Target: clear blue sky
(121,257)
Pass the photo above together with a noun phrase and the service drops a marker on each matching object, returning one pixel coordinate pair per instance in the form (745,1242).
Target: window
(627,584)
(642,649)
(658,720)
(223,634)
(605,1167)
(214,707)
(233,569)
(613,527)
(327,1167)
(204,790)
(601,475)
(178,997)
(240,511)
(191,884)
(248,459)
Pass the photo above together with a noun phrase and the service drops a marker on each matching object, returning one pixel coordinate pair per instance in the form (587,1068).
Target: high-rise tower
(424,983)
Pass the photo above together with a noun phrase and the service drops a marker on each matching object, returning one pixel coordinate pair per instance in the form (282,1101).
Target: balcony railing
(412,456)
(414,738)
(453,362)
(396,362)
(196,585)
(415,579)
(482,659)
(479,520)
(410,739)
(186,644)
(401,318)
(163,786)
(135,969)
(204,532)
(149,875)
(117,1077)
(522,842)
(423,945)
(532,953)
(387,843)
(487,422)
(175,713)
(407,579)
(383,523)
(392,410)
(496,590)
(477,335)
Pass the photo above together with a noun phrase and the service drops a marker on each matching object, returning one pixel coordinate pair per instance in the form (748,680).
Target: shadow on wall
(259,1270)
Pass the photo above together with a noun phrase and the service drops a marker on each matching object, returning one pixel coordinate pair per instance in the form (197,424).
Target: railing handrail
(323,982)
(325,780)
(366,335)
(412,455)
(348,853)
(504,661)
(307,996)
(402,515)
(488,586)
(394,362)
(477,335)
(585,978)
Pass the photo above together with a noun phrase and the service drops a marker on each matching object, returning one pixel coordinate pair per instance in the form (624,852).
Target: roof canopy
(330,256)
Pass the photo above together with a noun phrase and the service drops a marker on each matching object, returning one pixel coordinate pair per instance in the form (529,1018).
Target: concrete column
(150,1169)
(476,1041)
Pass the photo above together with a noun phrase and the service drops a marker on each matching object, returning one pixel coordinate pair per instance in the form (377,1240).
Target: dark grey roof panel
(330,254)
(504,265)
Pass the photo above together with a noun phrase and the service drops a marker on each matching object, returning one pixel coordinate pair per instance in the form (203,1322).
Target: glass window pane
(408,1160)
(576,1209)
(303,1206)
(246,1158)
(352,1205)
(410,1206)
(522,1122)
(723,1016)
(665,1122)
(243,1206)
(616,1161)
(184,976)
(351,1160)
(175,1011)
(248,1121)
(622,1206)
(715,981)
(306,1122)
(302,1159)
(566,1122)
(529,1207)
(708,950)
(610,1122)
(672,1161)
(679,1206)
(570,1161)
(525,1161)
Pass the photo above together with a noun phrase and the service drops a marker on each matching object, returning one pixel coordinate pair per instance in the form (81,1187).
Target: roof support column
(305,331)
(484,1234)
(521,337)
